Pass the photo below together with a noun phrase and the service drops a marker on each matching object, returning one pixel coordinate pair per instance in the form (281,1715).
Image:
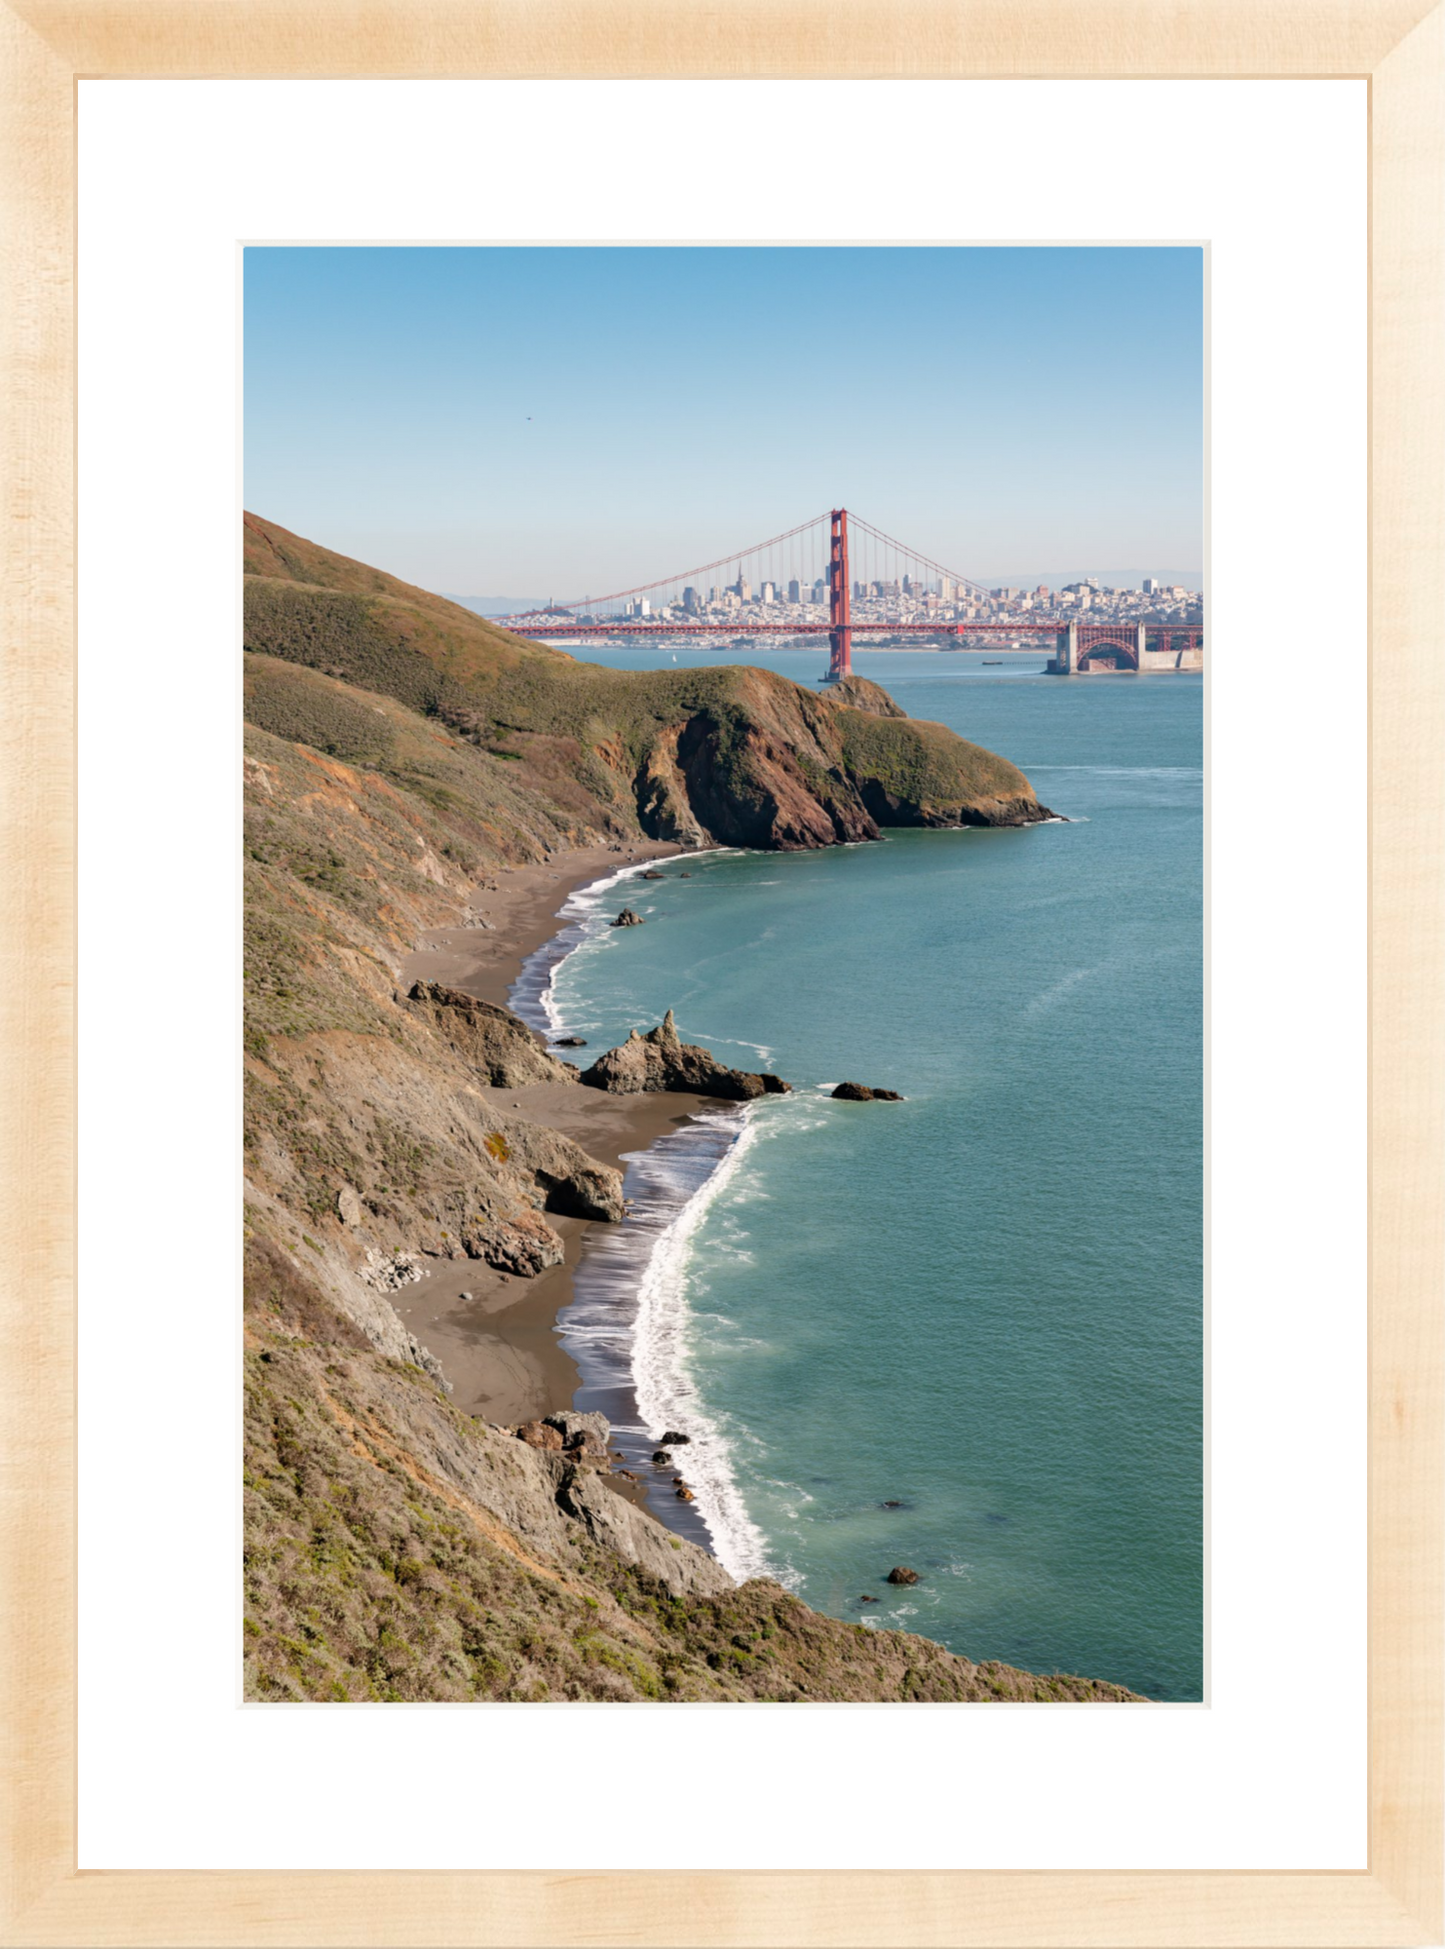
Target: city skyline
(485,420)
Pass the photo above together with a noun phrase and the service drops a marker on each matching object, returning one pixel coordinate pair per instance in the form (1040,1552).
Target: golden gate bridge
(838,576)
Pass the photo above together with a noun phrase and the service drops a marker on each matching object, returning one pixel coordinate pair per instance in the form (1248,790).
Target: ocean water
(962,1332)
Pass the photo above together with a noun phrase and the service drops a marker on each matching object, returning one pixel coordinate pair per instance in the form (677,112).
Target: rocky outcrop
(572,1183)
(498,1045)
(582,1433)
(859,694)
(660,1060)
(901,1574)
(523,1244)
(628,1532)
(627,918)
(663,808)
(860,1093)
(539,1434)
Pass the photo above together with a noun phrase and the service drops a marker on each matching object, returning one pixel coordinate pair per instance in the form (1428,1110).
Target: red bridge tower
(840,598)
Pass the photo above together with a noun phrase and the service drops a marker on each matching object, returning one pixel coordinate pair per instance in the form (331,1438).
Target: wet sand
(493,1333)
(506,922)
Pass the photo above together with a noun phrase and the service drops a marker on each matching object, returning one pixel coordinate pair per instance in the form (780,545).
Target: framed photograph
(723,830)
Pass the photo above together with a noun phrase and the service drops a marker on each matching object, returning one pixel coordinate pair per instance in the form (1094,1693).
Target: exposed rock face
(620,1526)
(627,918)
(504,1051)
(901,1574)
(540,1434)
(663,807)
(660,1060)
(587,1433)
(860,1093)
(524,1245)
(573,1184)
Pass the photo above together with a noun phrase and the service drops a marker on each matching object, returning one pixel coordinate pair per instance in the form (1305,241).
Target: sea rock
(505,1052)
(901,1574)
(672,1439)
(588,1433)
(627,918)
(684,1494)
(662,1458)
(571,1042)
(860,1093)
(660,1060)
(654,876)
(539,1434)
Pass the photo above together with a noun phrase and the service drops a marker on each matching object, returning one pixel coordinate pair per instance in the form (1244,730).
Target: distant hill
(1112,578)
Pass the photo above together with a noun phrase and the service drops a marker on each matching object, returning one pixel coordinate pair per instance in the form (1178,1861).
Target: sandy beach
(492,1332)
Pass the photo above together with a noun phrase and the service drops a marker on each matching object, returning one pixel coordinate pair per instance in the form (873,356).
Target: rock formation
(502,1049)
(860,1093)
(659,1060)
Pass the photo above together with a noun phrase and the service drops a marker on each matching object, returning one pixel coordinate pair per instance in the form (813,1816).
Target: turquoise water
(984,1303)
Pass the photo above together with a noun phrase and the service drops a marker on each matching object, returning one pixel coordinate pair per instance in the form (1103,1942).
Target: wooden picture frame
(1399,46)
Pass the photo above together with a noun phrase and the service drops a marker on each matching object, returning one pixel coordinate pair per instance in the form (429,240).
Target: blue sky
(554,421)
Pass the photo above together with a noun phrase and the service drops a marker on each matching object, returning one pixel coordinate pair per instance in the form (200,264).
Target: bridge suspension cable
(735,557)
(898,548)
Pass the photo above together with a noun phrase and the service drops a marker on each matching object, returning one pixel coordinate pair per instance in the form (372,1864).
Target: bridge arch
(1117,647)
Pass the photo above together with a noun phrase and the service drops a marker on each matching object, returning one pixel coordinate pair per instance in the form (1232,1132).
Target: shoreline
(499,1346)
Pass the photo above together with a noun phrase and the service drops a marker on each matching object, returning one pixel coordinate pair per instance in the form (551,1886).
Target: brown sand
(517,916)
(493,1333)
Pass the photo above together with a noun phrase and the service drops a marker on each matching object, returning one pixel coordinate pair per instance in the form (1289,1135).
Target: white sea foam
(667,1395)
(632,1308)
(533,994)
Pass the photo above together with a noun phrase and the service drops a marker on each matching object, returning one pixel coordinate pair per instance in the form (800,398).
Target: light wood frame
(1399,45)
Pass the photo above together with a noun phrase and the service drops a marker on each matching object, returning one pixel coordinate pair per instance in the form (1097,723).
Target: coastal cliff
(727,755)
(406,764)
